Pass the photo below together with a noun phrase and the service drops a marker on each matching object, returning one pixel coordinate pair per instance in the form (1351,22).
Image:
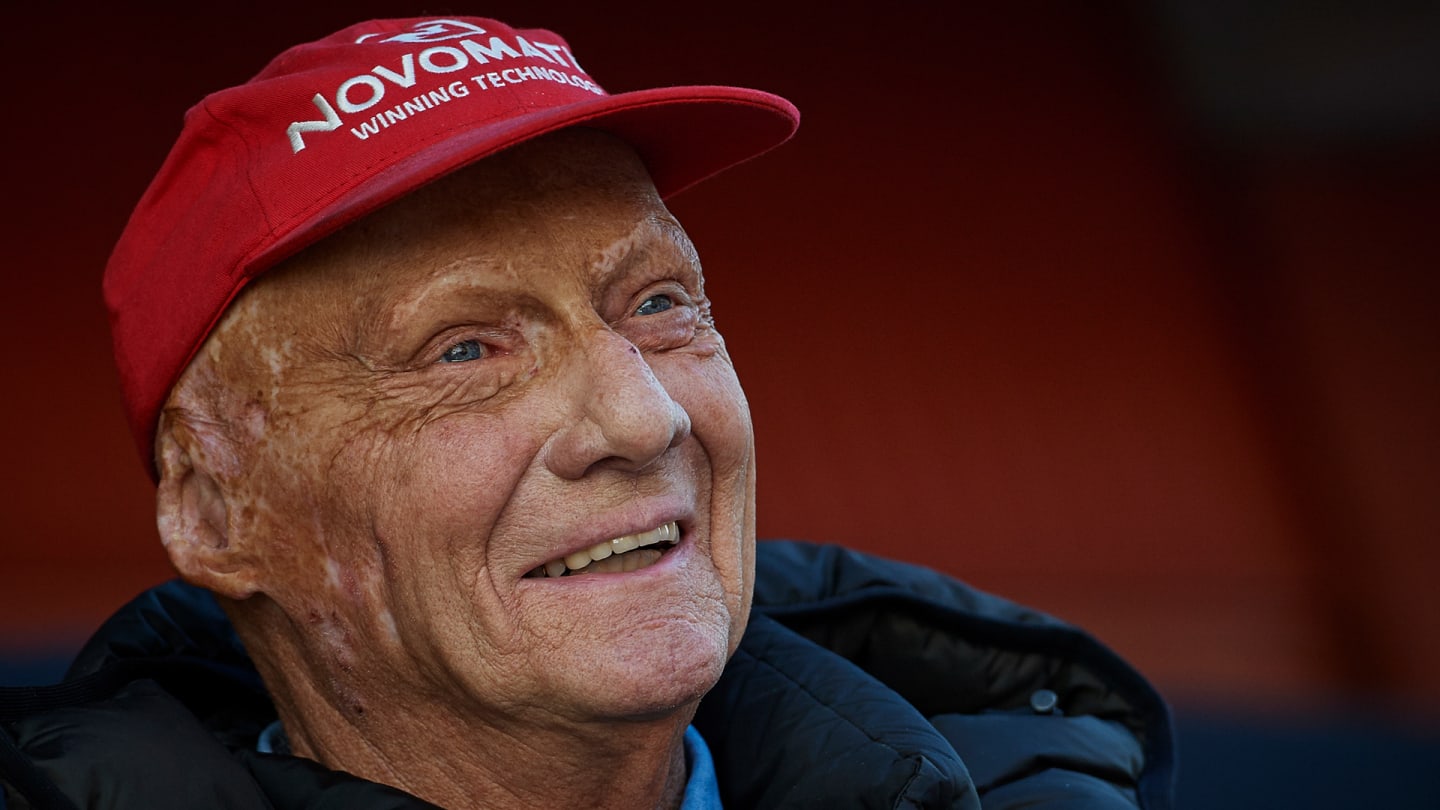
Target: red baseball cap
(334,129)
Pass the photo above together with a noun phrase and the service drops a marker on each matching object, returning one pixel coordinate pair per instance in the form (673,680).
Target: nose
(625,419)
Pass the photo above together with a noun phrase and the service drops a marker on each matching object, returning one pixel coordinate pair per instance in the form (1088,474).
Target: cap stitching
(249,165)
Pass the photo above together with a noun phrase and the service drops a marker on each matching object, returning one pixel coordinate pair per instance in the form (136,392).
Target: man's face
(428,410)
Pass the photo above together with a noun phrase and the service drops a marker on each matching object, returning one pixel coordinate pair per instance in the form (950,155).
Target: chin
(657,671)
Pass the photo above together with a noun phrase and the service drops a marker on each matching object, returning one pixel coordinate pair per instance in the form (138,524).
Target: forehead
(574,199)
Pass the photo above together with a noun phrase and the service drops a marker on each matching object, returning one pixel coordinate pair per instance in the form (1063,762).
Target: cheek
(303,532)
(436,504)
(317,471)
(708,390)
(383,534)
(459,472)
(720,420)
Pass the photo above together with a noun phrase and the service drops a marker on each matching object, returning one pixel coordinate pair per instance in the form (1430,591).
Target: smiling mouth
(621,555)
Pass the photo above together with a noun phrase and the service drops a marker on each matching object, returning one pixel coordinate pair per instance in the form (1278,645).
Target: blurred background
(1126,310)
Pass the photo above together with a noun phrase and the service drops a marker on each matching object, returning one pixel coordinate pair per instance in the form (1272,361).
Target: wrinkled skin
(367,512)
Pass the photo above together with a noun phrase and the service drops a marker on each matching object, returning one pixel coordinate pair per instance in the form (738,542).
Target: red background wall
(1003,308)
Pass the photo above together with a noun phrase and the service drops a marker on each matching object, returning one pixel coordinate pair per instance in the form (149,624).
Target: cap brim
(683,135)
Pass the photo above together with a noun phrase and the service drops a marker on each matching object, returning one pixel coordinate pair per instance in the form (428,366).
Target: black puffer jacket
(860,683)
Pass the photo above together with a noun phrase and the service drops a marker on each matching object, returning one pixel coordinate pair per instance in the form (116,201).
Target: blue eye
(655,304)
(463,351)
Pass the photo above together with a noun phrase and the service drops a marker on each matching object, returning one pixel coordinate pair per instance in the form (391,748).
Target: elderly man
(438,412)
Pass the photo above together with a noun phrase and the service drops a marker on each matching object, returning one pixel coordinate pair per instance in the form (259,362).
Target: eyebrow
(614,262)
(614,256)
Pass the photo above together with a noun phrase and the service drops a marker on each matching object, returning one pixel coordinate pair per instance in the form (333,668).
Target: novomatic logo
(432,31)
(470,47)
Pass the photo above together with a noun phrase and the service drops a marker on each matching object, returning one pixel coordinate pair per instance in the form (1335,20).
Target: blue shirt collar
(702,789)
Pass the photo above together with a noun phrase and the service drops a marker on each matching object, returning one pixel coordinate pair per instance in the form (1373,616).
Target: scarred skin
(367,512)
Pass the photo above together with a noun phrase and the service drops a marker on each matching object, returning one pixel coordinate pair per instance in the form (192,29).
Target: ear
(193,514)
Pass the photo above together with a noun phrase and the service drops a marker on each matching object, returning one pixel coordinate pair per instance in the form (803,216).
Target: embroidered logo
(432,31)
(499,61)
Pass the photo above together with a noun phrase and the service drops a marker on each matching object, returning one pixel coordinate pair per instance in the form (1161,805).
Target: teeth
(613,556)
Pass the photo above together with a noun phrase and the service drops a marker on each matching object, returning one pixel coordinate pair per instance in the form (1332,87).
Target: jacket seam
(916,758)
(903,799)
